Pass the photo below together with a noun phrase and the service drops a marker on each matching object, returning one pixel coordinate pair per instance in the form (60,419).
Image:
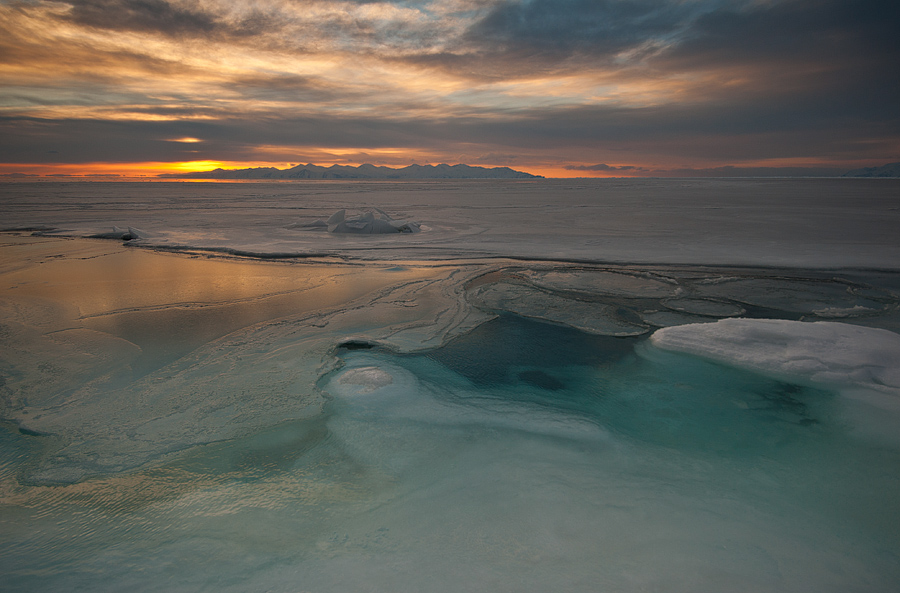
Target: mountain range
(366,171)
(889,170)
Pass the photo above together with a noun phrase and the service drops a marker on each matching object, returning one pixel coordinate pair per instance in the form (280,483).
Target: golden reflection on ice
(122,356)
(145,296)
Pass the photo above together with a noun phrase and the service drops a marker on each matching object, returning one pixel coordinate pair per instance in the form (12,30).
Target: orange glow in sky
(562,89)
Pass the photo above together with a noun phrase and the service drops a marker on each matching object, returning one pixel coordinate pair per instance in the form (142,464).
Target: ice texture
(823,297)
(176,325)
(824,352)
(618,283)
(638,473)
(376,411)
(126,234)
(118,383)
(373,222)
(704,307)
(527,301)
(821,223)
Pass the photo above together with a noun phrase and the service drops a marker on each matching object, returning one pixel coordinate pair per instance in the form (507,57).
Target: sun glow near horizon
(555,88)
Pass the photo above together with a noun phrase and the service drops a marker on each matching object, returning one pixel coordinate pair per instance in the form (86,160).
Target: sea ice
(823,352)
(366,379)
(278,451)
(126,234)
(706,307)
(528,301)
(371,222)
(824,298)
(601,282)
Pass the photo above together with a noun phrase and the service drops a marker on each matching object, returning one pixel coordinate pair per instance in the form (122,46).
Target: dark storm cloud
(279,25)
(510,39)
(172,19)
(560,28)
(157,16)
(711,134)
(812,39)
(709,32)
(716,81)
(31,140)
(288,88)
(845,51)
(859,31)
(748,130)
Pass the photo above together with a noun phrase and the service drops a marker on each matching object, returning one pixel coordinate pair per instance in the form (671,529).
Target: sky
(560,88)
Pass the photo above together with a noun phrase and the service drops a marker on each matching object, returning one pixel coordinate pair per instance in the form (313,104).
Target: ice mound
(371,222)
(126,234)
(822,352)
(366,379)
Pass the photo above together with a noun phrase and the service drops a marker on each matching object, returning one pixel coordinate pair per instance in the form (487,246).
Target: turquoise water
(523,456)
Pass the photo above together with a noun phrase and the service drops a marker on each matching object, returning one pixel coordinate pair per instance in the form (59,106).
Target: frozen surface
(800,222)
(371,222)
(824,352)
(474,407)
(528,301)
(489,464)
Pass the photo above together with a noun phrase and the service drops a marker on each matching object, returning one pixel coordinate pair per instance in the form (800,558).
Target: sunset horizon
(449,296)
(566,89)
(166,171)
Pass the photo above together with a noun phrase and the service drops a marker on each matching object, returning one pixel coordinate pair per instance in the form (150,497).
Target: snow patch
(822,352)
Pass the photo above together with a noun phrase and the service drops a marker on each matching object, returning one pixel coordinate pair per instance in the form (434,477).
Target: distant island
(361,172)
(889,170)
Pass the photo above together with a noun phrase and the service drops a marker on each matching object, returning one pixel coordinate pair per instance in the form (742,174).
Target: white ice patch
(365,379)
(822,352)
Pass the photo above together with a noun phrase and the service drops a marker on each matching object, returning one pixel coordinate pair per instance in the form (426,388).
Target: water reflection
(167,304)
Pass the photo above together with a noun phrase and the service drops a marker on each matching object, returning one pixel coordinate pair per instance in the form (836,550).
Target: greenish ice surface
(576,386)
(522,456)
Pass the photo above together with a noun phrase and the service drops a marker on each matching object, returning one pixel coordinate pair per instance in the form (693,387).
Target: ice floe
(826,352)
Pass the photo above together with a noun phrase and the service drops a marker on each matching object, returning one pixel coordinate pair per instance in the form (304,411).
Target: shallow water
(447,471)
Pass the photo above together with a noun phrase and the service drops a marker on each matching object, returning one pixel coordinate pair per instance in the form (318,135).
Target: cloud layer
(643,85)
